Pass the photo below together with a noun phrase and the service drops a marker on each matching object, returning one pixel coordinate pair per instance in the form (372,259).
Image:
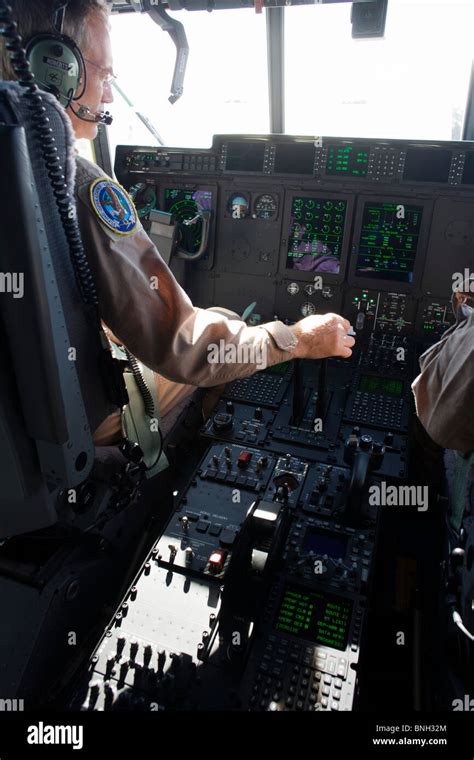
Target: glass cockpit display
(245,157)
(347,160)
(388,242)
(297,158)
(188,207)
(316,234)
(316,616)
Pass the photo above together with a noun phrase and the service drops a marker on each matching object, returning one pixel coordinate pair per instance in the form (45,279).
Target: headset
(58,66)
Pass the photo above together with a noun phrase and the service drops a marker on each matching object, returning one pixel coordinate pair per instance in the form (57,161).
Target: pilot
(140,300)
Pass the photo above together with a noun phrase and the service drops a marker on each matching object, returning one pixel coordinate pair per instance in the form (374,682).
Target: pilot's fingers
(346,324)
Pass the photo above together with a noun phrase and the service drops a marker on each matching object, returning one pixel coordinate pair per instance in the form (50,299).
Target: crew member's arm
(444,390)
(145,307)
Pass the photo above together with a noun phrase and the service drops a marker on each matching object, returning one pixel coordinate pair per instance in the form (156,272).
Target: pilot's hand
(323,335)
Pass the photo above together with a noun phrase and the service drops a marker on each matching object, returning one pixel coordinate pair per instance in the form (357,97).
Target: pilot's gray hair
(36,17)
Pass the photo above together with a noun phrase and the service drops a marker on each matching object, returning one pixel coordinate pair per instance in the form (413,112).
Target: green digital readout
(347,160)
(316,616)
(316,233)
(188,206)
(388,241)
(382,385)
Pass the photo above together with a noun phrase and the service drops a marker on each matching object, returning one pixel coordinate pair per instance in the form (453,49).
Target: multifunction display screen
(314,615)
(297,158)
(323,542)
(383,386)
(347,160)
(427,165)
(388,241)
(315,234)
(245,157)
(468,170)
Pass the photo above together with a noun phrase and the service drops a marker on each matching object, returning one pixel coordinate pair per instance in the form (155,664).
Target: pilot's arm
(444,390)
(145,307)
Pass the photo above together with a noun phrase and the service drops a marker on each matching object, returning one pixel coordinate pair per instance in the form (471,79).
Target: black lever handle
(364,455)
(360,470)
(321,388)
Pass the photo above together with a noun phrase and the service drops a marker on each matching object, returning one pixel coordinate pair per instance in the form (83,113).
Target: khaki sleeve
(145,307)
(444,390)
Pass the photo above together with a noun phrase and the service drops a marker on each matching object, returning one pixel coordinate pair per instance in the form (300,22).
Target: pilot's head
(86,22)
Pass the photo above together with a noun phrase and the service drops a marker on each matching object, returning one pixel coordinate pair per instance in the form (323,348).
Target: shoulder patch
(113,206)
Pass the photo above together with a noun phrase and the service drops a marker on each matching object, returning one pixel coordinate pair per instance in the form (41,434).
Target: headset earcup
(57,64)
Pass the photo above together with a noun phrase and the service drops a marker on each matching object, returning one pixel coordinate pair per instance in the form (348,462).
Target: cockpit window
(225,88)
(411,84)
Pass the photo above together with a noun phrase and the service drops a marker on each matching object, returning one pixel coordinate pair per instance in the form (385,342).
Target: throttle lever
(365,455)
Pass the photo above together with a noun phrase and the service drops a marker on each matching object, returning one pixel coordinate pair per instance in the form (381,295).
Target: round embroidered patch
(113,206)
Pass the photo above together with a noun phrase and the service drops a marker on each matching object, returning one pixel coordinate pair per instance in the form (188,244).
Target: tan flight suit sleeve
(444,390)
(146,308)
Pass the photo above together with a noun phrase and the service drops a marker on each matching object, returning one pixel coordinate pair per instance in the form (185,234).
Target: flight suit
(444,390)
(145,307)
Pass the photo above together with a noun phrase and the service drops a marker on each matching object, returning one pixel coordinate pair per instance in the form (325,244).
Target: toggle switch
(120,643)
(109,666)
(133,649)
(161,660)
(243,460)
(147,653)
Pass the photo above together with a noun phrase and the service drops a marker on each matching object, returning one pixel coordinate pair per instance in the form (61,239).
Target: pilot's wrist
(283,336)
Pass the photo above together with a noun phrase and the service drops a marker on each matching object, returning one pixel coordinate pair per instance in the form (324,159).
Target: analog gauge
(293,288)
(310,290)
(266,207)
(238,206)
(307,309)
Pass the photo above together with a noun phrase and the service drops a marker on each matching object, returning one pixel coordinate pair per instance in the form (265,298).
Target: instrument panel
(372,229)
(328,158)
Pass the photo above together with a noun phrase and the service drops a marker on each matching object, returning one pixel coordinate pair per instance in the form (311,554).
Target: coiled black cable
(147,400)
(141,383)
(41,123)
